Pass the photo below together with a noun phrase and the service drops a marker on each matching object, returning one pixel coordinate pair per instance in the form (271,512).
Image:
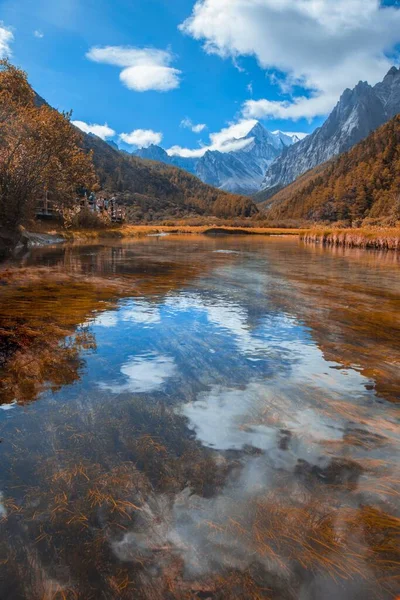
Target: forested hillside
(40,153)
(155,190)
(363,183)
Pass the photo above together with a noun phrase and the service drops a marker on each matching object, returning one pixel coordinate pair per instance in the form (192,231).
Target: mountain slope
(238,171)
(159,154)
(358,112)
(243,170)
(154,190)
(363,182)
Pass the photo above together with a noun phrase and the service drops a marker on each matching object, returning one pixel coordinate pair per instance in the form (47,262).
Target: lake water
(194,417)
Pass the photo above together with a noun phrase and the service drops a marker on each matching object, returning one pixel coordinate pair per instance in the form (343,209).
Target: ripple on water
(214,424)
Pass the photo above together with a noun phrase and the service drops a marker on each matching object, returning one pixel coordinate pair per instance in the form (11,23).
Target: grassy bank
(380,238)
(134,231)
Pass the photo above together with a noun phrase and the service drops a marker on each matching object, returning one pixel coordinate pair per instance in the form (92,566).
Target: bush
(86,219)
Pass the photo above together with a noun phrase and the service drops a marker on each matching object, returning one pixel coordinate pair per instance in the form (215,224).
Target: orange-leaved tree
(40,152)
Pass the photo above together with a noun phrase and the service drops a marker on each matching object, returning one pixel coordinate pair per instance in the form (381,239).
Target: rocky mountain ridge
(237,171)
(358,112)
(361,186)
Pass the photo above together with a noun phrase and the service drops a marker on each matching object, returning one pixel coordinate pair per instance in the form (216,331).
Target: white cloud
(296,109)
(188,124)
(6,39)
(199,128)
(142,138)
(145,373)
(8,406)
(38,34)
(142,313)
(143,69)
(106,319)
(102,131)
(227,140)
(323,45)
(234,131)
(187,152)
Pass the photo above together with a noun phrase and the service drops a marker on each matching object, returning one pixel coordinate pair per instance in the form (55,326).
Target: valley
(200,300)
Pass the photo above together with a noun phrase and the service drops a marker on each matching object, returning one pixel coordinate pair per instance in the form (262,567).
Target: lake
(200,417)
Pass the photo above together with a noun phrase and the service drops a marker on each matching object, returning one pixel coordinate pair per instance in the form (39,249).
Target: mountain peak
(361,85)
(257,128)
(358,112)
(258,132)
(392,72)
(153,152)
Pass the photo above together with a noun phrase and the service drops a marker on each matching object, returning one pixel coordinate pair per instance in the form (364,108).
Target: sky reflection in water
(227,358)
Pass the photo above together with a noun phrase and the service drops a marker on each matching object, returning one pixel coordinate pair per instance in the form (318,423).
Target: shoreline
(135,231)
(368,239)
(378,238)
(11,242)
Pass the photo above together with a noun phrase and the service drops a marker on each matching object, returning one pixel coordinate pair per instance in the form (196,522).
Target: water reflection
(221,428)
(145,373)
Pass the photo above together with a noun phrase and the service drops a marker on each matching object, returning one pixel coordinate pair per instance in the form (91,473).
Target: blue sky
(150,64)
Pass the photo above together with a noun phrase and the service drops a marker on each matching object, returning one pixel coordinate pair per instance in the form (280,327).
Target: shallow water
(213,418)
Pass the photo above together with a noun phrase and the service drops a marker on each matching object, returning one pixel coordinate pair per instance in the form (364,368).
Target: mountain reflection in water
(189,417)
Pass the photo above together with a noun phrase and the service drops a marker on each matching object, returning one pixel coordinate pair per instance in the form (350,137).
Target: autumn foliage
(363,183)
(40,152)
(153,191)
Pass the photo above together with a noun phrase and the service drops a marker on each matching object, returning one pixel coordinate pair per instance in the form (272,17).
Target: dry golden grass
(387,238)
(366,237)
(134,231)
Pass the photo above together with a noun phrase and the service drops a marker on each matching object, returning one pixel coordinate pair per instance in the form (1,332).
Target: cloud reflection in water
(143,374)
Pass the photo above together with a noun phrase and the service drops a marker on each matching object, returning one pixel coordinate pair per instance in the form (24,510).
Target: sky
(190,75)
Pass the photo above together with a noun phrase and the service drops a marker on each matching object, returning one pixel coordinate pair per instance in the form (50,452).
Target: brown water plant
(40,311)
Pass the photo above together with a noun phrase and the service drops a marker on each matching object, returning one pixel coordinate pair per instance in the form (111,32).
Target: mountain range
(271,161)
(240,171)
(358,112)
(157,184)
(346,170)
(152,190)
(360,186)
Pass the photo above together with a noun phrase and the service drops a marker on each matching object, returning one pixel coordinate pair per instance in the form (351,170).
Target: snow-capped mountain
(242,171)
(357,114)
(238,171)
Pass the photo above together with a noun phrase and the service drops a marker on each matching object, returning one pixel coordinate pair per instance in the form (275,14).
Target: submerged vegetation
(44,348)
(112,493)
(152,514)
(155,516)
